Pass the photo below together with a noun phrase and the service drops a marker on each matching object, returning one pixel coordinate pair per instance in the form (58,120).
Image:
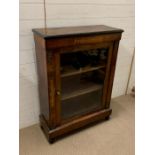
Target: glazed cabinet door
(82,80)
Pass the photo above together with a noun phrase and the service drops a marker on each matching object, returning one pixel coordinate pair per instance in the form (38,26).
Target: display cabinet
(76,68)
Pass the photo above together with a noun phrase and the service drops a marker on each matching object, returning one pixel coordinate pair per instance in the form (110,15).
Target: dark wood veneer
(50,44)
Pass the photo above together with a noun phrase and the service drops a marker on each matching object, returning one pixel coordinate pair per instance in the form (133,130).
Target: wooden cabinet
(76,68)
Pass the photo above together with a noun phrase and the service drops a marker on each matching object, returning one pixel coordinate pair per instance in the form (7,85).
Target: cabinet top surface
(72,31)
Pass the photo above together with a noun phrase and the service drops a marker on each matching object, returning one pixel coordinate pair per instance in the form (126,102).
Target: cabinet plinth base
(63,129)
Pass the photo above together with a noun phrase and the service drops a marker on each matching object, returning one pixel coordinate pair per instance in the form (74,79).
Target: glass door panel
(82,81)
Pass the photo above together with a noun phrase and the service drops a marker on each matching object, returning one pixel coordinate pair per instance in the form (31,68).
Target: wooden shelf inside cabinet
(69,70)
(77,90)
(76,68)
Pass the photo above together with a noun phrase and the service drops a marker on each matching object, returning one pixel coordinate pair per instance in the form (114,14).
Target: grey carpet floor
(112,137)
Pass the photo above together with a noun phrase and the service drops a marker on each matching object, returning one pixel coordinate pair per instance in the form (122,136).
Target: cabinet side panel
(42,76)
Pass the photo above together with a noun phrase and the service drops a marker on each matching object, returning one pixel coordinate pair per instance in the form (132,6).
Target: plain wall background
(116,13)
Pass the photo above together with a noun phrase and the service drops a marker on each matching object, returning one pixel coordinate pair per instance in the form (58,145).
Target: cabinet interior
(82,81)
